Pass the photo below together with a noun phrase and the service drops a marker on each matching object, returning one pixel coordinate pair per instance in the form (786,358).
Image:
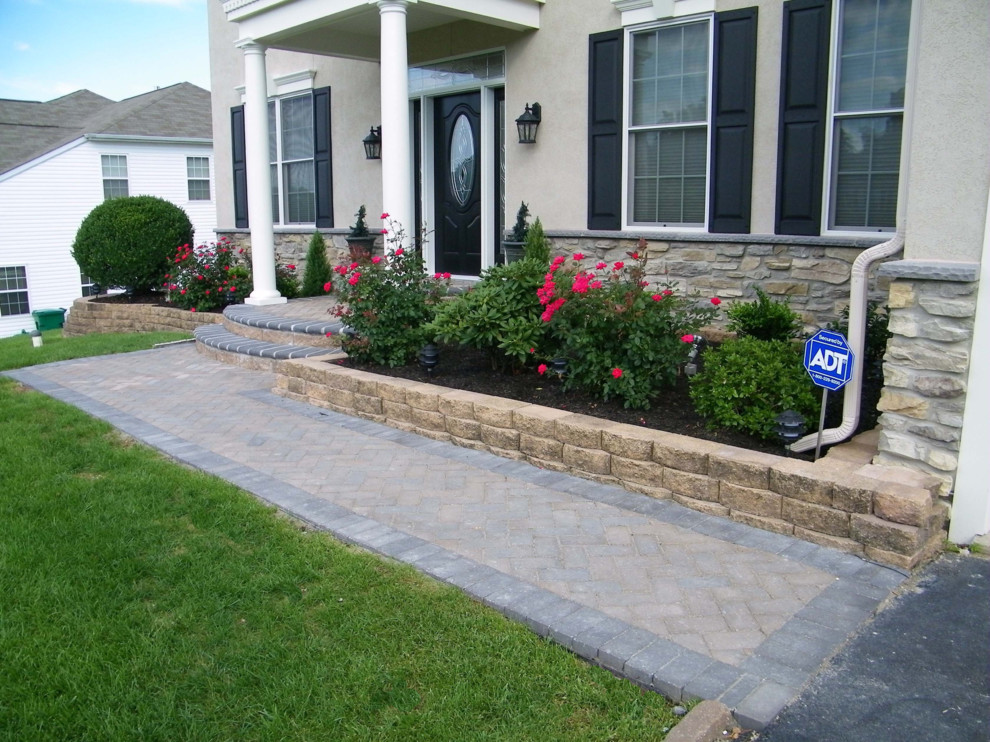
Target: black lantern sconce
(528,123)
(429,357)
(789,427)
(373,144)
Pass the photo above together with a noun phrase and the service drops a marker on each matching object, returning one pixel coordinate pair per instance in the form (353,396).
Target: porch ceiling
(351,28)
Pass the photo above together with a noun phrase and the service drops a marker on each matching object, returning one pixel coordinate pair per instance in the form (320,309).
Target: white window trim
(208,179)
(104,178)
(627,224)
(26,290)
(830,118)
(280,165)
(647,11)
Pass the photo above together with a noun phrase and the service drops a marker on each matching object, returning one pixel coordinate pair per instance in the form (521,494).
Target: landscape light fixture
(789,427)
(429,357)
(528,123)
(373,144)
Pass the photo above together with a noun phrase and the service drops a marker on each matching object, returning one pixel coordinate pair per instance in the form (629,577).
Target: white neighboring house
(60,159)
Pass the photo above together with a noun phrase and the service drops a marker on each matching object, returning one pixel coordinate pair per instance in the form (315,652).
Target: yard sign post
(829,361)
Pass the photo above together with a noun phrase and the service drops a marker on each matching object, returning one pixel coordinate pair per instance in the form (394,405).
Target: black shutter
(239,159)
(321,157)
(733,99)
(801,134)
(605,130)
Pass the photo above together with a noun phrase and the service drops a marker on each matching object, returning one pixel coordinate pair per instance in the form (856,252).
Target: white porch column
(259,188)
(397,185)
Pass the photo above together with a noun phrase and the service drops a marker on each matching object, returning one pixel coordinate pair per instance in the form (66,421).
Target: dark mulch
(672,411)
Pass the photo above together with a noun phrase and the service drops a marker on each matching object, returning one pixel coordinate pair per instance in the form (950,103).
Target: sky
(115,48)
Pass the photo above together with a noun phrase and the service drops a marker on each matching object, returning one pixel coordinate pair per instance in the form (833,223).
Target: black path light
(528,123)
(429,357)
(789,427)
(373,144)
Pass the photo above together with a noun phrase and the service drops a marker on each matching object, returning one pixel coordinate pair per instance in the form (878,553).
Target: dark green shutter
(605,130)
(321,157)
(801,134)
(733,101)
(239,159)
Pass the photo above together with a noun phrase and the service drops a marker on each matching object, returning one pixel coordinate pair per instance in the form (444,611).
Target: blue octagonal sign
(828,359)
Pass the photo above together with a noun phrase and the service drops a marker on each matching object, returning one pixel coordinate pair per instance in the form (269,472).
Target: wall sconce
(373,144)
(528,123)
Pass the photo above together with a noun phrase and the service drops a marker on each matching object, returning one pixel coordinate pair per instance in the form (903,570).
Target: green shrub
(745,383)
(521,228)
(621,339)
(317,273)
(499,315)
(537,247)
(128,242)
(286,282)
(764,319)
(388,302)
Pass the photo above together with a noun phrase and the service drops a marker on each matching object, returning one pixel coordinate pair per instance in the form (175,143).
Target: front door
(457,179)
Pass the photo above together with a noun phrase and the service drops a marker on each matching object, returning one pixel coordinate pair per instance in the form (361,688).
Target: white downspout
(859,280)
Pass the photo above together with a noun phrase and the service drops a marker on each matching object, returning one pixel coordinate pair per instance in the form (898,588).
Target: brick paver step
(215,336)
(256,317)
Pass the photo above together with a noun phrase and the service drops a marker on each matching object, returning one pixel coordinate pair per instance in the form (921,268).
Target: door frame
(488,174)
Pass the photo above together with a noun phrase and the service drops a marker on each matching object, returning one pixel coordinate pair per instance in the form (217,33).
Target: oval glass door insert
(462,160)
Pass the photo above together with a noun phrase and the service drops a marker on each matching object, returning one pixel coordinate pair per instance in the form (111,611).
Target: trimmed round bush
(747,382)
(128,242)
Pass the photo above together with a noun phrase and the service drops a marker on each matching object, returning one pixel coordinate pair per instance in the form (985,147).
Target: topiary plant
(537,245)
(764,319)
(128,242)
(746,383)
(317,273)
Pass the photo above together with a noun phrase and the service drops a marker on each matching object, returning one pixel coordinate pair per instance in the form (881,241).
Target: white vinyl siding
(668,125)
(867,113)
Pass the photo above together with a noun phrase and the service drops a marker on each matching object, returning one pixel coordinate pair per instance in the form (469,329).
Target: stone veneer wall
(888,514)
(812,272)
(932,307)
(88,317)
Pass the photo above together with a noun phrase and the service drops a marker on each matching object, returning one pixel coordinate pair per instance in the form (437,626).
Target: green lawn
(140,600)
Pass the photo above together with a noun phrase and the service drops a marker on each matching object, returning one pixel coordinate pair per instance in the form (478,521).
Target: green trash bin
(48,319)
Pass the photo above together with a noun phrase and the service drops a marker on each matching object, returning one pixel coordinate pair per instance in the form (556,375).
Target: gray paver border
(757,690)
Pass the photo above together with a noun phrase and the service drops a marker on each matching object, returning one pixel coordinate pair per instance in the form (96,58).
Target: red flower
(644,284)
(601,265)
(233,288)
(618,265)
(168,275)
(595,285)
(667,292)
(329,334)
(376,259)
(657,297)
(183,291)
(399,252)
(291,267)
(541,369)
(616,372)
(192,309)
(716,301)
(384,231)
(578,256)
(687,338)
(634,255)
(446,276)
(328,285)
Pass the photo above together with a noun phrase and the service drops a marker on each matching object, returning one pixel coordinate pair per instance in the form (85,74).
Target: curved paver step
(219,338)
(243,314)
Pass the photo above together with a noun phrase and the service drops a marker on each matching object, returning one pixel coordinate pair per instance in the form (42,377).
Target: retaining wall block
(396,411)
(749,499)
(633,470)
(465,429)
(424,396)
(628,441)
(458,404)
(816,517)
(683,452)
(582,431)
(882,534)
(591,460)
(496,411)
(694,486)
(504,438)
(745,468)
(848,545)
(774,525)
(538,421)
(427,419)
(548,449)
(797,479)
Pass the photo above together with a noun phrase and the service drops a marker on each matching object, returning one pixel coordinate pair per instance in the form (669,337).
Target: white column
(259,188)
(397,184)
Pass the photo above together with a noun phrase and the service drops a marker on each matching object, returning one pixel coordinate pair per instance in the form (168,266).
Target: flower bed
(887,514)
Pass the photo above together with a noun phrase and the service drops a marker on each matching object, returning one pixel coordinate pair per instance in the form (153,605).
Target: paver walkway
(691,605)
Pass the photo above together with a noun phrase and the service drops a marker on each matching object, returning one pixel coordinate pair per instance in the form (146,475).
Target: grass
(142,600)
(17,351)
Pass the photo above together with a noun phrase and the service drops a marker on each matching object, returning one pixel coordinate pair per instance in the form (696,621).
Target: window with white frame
(114,175)
(198,176)
(88,287)
(668,125)
(13,291)
(290,145)
(867,113)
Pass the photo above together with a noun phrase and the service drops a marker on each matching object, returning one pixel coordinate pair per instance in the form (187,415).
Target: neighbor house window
(290,145)
(198,176)
(668,125)
(88,287)
(114,175)
(868,113)
(13,291)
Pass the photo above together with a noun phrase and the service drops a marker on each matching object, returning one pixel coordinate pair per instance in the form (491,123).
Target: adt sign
(828,360)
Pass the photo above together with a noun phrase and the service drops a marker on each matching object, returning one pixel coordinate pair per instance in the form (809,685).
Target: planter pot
(513,251)
(360,247)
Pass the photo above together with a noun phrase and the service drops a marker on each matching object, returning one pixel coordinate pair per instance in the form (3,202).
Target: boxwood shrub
(128,242)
